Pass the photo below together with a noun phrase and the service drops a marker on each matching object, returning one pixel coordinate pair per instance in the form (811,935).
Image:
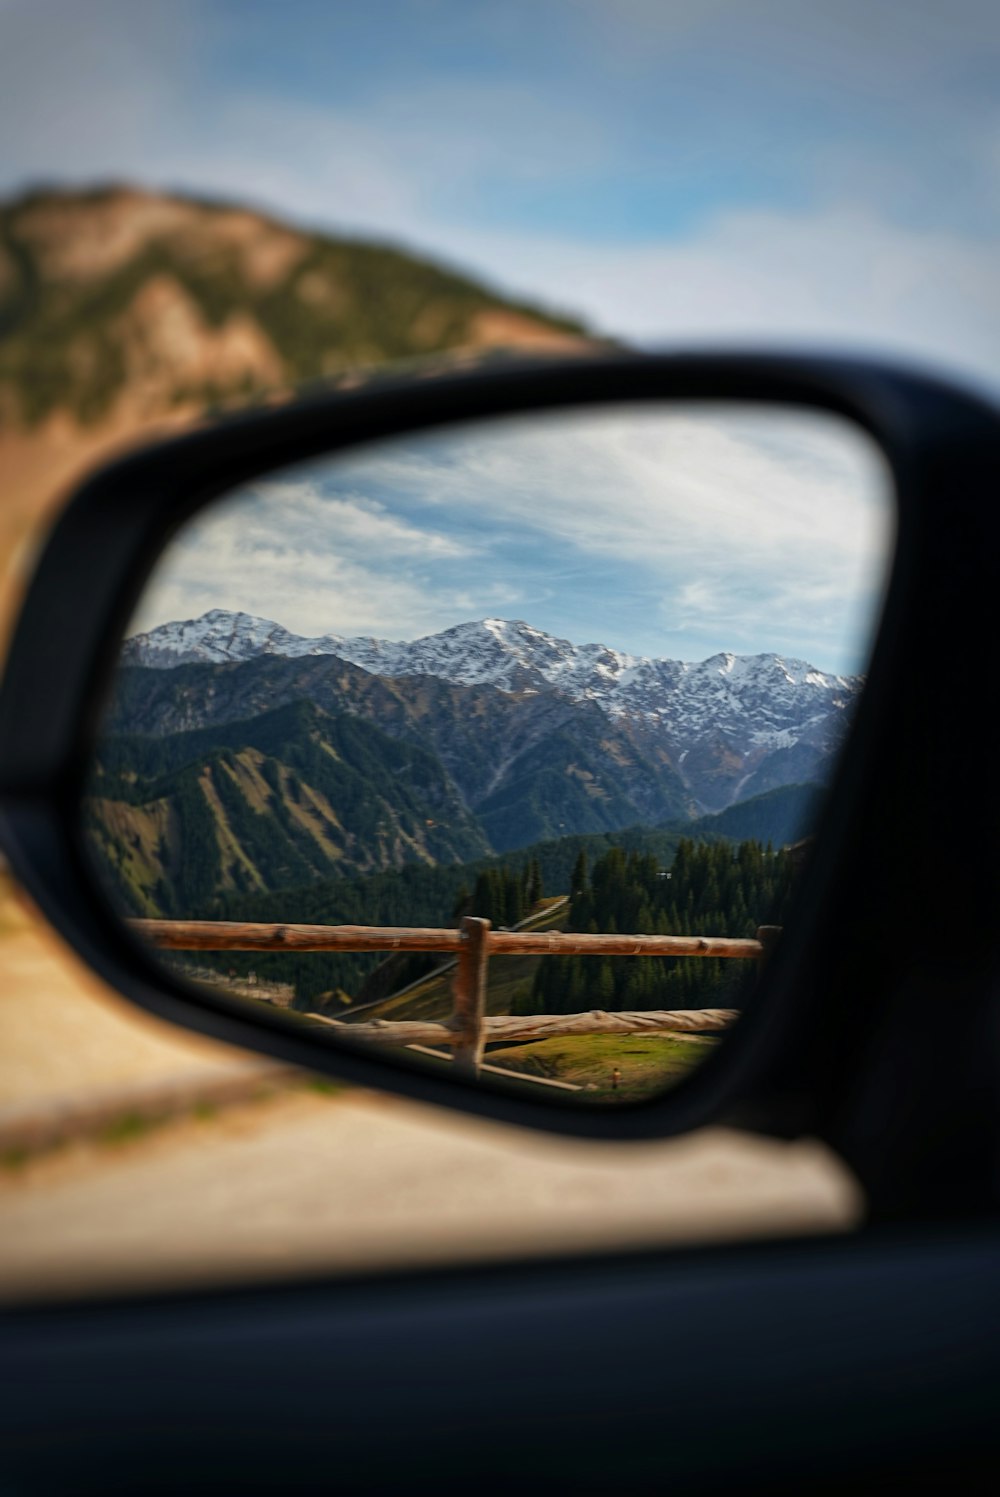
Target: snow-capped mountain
(219,638)
(762,701)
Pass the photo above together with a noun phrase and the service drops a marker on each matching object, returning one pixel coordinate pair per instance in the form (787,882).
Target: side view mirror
(543,742)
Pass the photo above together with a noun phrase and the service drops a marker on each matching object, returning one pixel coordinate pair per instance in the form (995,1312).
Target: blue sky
(677,535)
(702,171)
(674,171)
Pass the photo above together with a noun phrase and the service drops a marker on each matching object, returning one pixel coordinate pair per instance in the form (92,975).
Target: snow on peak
(218,637)
(765,695)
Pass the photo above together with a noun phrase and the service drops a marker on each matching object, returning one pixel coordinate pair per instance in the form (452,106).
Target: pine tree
(578,883)
(714,890)
(603,986)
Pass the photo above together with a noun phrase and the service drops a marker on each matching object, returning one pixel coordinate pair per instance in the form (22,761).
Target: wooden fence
(469,1029)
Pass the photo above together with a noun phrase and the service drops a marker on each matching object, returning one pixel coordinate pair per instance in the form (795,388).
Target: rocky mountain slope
(528,766)
(724,728)
(226,817)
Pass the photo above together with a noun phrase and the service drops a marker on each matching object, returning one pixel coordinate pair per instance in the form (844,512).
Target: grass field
(647,1063)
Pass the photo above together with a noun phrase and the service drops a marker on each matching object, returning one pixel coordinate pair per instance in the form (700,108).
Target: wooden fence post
(470,995)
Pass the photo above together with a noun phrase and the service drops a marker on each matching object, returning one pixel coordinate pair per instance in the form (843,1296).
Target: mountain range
(238,757)
(747,708)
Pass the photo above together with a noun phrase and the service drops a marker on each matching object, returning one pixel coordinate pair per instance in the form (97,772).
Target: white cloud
(316,565)
(311,519)
(308,594)
(757,531)
(839,276)
(659,485)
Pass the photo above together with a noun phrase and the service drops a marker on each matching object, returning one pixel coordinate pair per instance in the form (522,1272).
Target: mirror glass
(500,747)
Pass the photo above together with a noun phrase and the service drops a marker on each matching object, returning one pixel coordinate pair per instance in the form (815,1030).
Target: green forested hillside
(496,888)
(748,893)
(569,783)
(779,816)
(710,889)
(285,798)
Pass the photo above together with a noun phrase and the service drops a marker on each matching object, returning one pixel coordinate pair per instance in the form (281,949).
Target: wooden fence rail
(469,1029)
(515,1028)
(233,935)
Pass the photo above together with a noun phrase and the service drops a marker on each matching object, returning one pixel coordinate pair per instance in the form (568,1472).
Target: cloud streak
(676,533)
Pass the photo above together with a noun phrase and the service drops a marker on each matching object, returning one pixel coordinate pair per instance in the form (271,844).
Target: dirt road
(306,1181)
(62,1031)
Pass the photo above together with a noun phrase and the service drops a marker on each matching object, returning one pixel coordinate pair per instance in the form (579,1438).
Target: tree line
(710,889)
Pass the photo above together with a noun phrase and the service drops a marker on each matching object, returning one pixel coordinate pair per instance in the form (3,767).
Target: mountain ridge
(521,716)
(515,656)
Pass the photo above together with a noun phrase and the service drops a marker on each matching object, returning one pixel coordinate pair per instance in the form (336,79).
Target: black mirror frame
(812,1049)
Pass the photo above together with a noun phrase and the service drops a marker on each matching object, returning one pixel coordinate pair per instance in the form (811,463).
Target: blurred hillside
(120,294)
(124,312)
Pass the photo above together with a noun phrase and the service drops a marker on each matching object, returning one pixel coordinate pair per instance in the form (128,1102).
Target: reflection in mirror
(501,746)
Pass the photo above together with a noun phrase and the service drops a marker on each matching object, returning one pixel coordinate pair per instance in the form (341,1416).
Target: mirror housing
(802,1035)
